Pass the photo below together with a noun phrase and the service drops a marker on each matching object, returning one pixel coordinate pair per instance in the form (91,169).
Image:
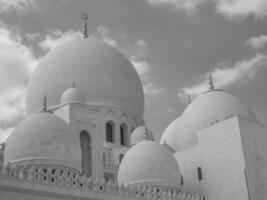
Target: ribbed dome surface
(44,137)
(208,108)
(72,95)
(149,162)
(141,133)
(102,73)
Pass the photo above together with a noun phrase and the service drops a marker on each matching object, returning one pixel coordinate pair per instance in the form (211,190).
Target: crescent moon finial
(84,25)
(84,16)
(211,84)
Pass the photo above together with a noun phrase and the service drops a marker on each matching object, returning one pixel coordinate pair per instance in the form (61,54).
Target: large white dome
(102,73)
(208,108)
(43,138)
(149,162)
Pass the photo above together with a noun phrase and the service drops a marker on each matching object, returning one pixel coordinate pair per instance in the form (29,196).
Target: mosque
(85,138)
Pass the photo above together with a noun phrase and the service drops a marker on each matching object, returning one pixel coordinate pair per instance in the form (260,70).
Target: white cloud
(143,68)
(187,5)
(257,43)
(12,103)
(231,9)
(17,61)
(151,90)
(235,9)
(226,74)
(104,34)
(33,36)
(19,6)
(56,37)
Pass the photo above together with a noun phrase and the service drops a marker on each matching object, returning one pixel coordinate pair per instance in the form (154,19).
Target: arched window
(120,157)
(109,131)
(86,153)
(199,173)
(123,134)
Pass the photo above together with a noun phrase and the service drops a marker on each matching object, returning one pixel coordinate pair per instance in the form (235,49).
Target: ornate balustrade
(68,178)
(110,166)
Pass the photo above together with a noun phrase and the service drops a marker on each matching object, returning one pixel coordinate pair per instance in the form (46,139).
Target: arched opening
(123,134)
(86,161)
(109,131)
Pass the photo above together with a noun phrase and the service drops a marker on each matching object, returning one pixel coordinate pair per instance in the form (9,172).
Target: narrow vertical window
(199,173)
(123,134)
(109,131)
(86,162)
(182,180)
(104,157)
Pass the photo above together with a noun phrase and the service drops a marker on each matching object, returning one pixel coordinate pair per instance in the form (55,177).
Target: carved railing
(110,166)
(70,179)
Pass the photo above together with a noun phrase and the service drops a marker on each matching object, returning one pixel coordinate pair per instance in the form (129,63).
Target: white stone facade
(79,145)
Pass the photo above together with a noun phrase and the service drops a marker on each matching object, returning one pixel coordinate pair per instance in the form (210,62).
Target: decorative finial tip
(84,16)
(45,103)
(84,25)
(73,85)
(211,84)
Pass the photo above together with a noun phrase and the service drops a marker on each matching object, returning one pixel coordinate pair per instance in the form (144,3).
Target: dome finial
(73,85)
(45,103)
(146,132)
(211,84)
(84,25)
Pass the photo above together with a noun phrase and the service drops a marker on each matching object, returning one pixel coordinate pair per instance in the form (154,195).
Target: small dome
(72,95)
(149,163)
(208,108)
(43,138)
(104,76)
(141,133)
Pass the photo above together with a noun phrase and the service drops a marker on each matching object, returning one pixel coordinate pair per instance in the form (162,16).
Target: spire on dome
(146,132)
(211,84)
(84,25)
(73,85)
(45,103)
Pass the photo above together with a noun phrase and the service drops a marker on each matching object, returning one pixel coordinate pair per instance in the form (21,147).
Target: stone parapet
(60,179)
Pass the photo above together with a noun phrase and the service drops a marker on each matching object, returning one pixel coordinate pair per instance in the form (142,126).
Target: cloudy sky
(173,44)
